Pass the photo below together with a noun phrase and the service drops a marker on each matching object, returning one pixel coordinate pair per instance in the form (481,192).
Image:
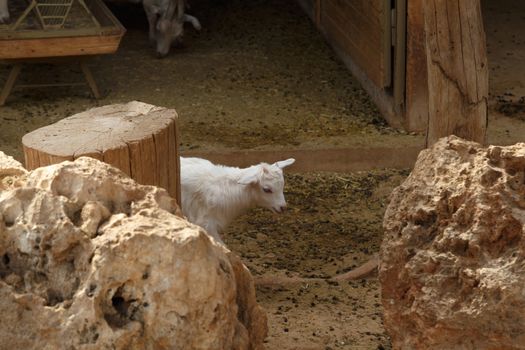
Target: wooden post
(457,69)
(90,79)
(10,83)
(138,138)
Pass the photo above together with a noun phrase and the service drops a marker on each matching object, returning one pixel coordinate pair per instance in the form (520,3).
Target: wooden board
(360,29)
(58,47)
(137,138)
(360,32)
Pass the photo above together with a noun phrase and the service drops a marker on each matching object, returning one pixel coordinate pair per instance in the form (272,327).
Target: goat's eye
(267,189)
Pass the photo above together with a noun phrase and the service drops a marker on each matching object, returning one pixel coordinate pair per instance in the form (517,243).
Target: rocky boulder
(10,171)
(452,265)
(91,260)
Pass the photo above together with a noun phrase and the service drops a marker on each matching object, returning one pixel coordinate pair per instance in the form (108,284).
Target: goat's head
(170,26)
(169,31)
(267,184)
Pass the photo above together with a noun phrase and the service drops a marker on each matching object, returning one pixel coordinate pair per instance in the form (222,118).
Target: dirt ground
(259,76)
(333,225)
(505,25)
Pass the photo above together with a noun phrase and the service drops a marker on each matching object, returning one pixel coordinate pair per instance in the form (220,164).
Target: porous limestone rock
(452,267)
(10,171)
(91,260)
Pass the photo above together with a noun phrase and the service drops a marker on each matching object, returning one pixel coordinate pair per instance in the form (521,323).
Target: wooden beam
(457,69)
(56,47)
(90,79)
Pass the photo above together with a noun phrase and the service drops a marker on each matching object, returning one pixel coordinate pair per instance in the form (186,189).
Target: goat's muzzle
(279,209)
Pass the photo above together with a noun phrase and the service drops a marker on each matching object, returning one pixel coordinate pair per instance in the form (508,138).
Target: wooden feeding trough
(54,31)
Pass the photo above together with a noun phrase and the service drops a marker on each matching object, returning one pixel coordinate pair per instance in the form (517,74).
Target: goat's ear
(284,163)
(251,175)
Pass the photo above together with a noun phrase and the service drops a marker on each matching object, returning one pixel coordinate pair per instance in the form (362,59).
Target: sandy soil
(333,225)
(259,76)
(505,24)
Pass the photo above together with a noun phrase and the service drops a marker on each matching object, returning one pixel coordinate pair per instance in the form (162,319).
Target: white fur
(214,195)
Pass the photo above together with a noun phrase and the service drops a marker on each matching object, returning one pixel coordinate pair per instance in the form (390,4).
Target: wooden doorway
(423,62)
(369,36)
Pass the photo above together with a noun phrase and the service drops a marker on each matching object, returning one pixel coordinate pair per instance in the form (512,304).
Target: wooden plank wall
(360,32)
(358,28)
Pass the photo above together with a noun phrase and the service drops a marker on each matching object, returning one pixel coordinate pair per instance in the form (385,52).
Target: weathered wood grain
(416,69)
(457,69)
(139,139)
(56,47)
(358,29)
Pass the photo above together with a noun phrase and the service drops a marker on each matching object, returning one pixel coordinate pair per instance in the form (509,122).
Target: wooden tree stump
(138,138)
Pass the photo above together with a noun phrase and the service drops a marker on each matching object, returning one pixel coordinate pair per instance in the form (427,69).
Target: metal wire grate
(52,13)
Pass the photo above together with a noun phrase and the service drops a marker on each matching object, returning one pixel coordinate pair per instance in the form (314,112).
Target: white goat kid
(214,195)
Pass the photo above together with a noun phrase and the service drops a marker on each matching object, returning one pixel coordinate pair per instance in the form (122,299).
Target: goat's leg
(152,21)
(4,12)
(193,20)
(213,231)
